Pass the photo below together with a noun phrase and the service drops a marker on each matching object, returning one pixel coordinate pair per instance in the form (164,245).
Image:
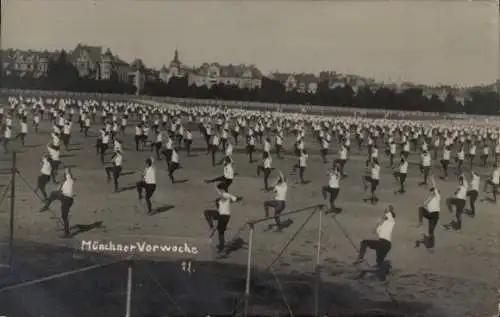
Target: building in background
(25,63)
(176,69)
(86,59)
(241,76)
(301,83)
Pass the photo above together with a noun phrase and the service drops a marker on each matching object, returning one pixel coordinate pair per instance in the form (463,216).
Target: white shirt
(225,203)
(67,186)
(229,149)
(150,175)
(384,230)
(54,154)
(67,129)
(495,176)
(228,171)
(446,155)
(462,192)
(303,160)
(475,181)
(433,203)
(117,160)
(343,153)
(267,162)
(175,157)
(403,168)
(267,146)
(281,190)
(333,180)
(426,160)
(7,133)
(24,127)
(46,168)
(375,172)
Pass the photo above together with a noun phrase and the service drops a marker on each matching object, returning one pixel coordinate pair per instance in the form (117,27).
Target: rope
(269,267)
(59,275)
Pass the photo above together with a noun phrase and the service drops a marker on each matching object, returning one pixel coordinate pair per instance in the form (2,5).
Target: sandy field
(460,278)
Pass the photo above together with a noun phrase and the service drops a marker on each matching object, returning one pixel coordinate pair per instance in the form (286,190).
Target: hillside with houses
(94,68)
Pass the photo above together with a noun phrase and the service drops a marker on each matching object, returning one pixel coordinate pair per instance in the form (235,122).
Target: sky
(421,41)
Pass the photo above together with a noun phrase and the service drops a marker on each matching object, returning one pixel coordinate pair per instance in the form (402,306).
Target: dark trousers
(172,167)
(42,182)
(149,190)
(459,209)
(494,188)
(222,221)
(223,182)
(114,171)
(156,146)
(381,247)
(433,218)
(472,194)
(401,178)
(373,186)
(66,203)
(301,169)
(55,166)
(278,206)
(444,165)
(334,193)
(267,172)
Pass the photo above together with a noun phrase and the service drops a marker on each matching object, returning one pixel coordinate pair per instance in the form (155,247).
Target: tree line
(62,75)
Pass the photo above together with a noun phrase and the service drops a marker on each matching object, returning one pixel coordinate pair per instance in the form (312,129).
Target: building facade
(25,63)
(301,83)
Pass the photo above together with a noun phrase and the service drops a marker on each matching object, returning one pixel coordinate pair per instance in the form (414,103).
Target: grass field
(459,279)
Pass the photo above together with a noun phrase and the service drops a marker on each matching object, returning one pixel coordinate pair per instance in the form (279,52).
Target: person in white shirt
(188,141)
(7,136)
(342,160)
(333,187)
(400,176)
(44,177)
(222,215)
(324,149)
(156,144)
(65,195)
(55,160)
(147,184)
(138,137)
(382,245)
(24,130)
(301,165)
(250,147)
(214,147)
(473,192)
(425,167)
(485,153)
(279,202)
(430,210)
(115,168)
(493,182)
(460,159)
(227,178)
(278,144)
(66,134)
(458,201)
(173,165)
(266,168)
(445,161)
(373,179)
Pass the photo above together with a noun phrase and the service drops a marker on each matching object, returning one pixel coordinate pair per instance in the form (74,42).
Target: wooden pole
(12,207)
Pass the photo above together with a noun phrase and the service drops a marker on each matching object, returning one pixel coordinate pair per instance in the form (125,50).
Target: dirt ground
(460,278)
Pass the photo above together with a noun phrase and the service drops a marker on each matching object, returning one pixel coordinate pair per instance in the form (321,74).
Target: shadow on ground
(165,287)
